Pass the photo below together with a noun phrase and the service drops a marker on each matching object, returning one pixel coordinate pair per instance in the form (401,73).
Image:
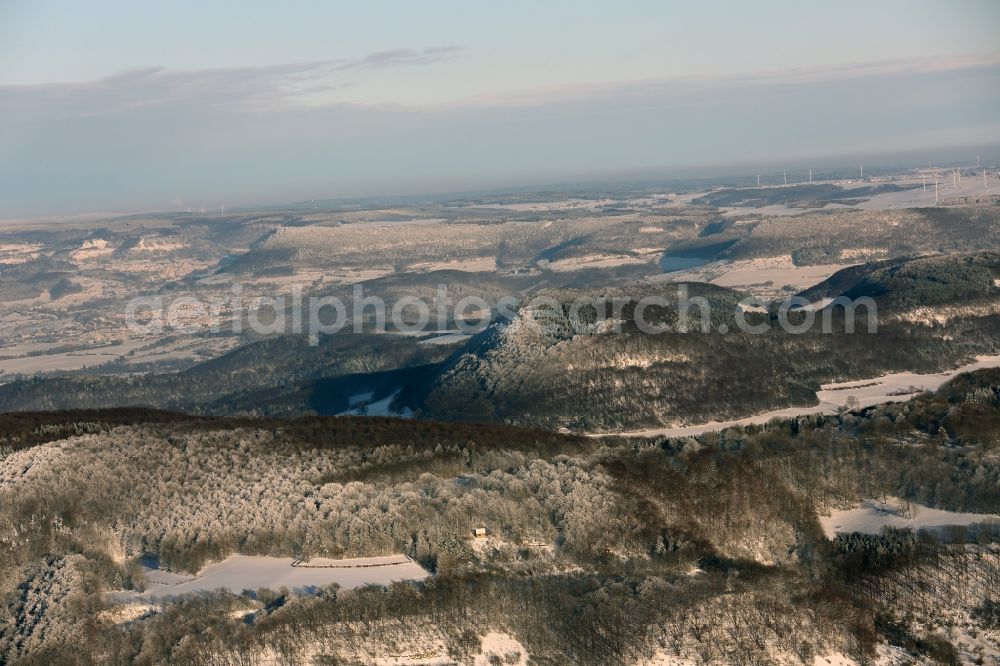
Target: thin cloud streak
(284,86)
(403,57)
(252,88)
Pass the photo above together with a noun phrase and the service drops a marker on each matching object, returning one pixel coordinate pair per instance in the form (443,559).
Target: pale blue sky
(118,105)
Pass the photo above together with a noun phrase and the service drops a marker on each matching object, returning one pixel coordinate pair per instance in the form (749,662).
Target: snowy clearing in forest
(777,271)
(874,514)
(239,573)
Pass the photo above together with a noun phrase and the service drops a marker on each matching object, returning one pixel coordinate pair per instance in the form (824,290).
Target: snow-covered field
(895,387)
(160,245)
(874,514)
(968,186)
(92,249)
(763,276)
(594,261)
(66,361)
(778,271)
(477,265)
(911,198)
(566,204)
(241,572)
(395,223)
(13,254)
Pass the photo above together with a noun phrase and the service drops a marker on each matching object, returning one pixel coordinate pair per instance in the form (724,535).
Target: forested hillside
(829,237)
(706,548)
(278,375)
(934,313)
(540,371)
(919,282)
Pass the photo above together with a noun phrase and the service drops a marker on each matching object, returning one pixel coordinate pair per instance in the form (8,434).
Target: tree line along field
(599,551)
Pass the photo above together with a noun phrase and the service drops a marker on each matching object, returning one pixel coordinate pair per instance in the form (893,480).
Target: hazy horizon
(117,109)
(771,172)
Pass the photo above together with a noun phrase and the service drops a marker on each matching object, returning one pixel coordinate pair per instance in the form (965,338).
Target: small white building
(479,533)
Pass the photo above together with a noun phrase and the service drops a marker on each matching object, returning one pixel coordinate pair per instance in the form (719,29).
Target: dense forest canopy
(607,530)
